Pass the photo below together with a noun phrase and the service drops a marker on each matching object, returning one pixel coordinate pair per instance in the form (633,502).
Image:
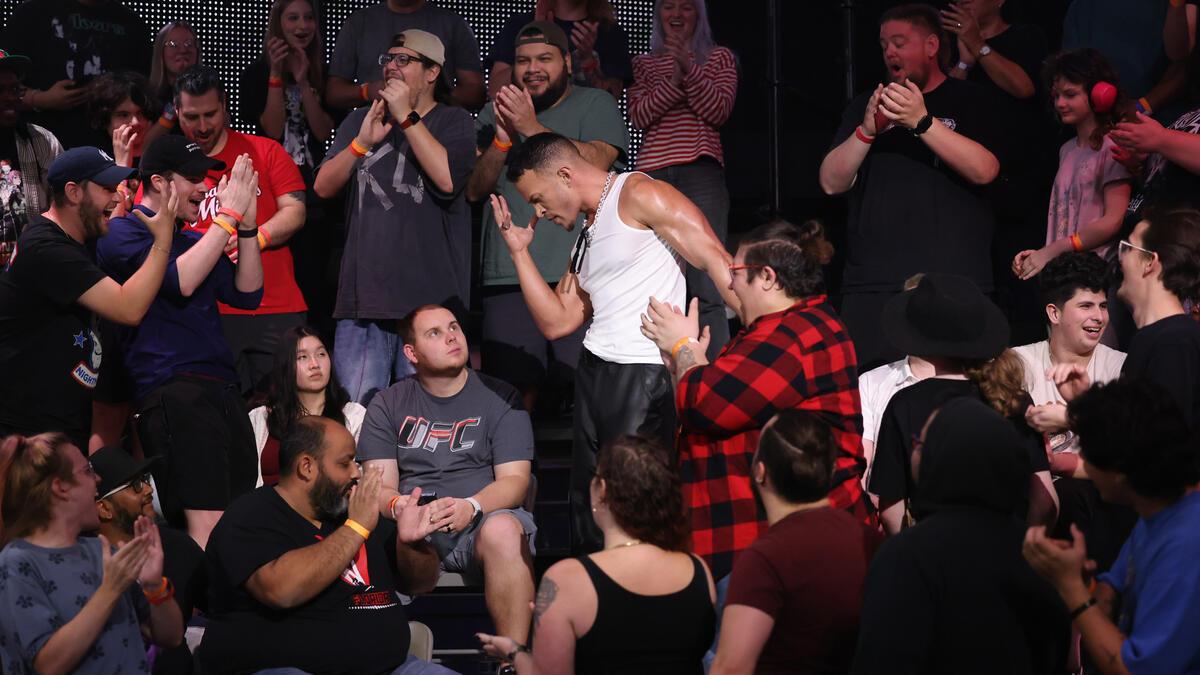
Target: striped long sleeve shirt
(682,123)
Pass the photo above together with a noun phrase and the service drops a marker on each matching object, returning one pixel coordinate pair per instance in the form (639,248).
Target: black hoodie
(953,593)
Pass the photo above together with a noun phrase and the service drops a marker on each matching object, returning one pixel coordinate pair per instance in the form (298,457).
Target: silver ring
(958,25)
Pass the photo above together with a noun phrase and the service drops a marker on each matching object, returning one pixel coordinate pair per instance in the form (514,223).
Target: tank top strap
(603,583)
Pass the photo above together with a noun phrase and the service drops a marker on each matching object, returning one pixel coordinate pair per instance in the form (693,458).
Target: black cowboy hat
(945,315)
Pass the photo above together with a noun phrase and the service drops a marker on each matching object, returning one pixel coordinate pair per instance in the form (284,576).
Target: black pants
(612,400)
(200,429)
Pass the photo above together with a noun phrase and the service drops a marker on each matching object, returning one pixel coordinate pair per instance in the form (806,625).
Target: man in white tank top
(635,230)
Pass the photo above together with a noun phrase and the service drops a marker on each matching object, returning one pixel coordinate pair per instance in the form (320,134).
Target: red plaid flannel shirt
(800,358)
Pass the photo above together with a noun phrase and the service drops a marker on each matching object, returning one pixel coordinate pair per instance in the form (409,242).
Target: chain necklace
(631,542)
(587,225)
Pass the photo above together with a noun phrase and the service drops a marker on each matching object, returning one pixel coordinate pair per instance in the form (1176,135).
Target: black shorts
(513,348)
(201,429)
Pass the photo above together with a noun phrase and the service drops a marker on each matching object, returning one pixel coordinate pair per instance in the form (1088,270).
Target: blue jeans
(367,354)
(722,585)
(412,666)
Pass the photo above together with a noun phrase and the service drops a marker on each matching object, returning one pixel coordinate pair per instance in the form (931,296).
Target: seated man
(1137,450)
(465,436)
(68,603)
(299,586)
(125,492)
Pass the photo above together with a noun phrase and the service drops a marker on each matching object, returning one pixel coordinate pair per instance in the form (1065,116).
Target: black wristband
(1082,608)
(923,125)
(247,234)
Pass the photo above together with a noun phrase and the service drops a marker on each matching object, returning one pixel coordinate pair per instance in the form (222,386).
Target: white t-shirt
(353,412)
(1105,366)
(876,387)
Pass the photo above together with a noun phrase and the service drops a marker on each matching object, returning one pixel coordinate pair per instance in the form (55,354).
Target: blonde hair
(158,73)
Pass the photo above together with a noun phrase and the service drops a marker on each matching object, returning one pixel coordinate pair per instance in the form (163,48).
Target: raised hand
(373,129)
(516,106)
(162,225)
(903,103)
(152,568)
(872,117)
(123,138)
(364,498)
(297,63)
(1059,562)
(516,238)
(237,188)
(62,95)
(584,35)
(665,325)
(277,53)
(398,98)
(504,130)
(1144,136)
(123,567)
(962,24)
(415,522)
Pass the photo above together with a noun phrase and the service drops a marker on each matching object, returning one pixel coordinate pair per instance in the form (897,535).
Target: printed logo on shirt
(209,207)
(418,432)
(358,574)
(87,372)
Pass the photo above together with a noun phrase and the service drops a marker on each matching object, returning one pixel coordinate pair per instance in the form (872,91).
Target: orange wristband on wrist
(275,82)
(392,505)
(158,596)
(365,91)
(166,122)
(264,238)
(230,228)
(1076,242)
(683,342)
(226,211)
(358,149)
(501,145)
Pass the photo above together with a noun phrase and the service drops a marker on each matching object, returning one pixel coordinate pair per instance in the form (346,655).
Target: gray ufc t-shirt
(447,444)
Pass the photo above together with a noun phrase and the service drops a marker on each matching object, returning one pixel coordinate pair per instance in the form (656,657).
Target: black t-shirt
(70,40)
(1167,352)
(908,211)
(356,625)
(905,416)
(49,352)
(1166,183)
(954,595)
(183,564)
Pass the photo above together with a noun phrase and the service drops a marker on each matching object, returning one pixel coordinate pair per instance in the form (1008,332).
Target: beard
(553,92)
(330,501)
(92,218)
(123,520)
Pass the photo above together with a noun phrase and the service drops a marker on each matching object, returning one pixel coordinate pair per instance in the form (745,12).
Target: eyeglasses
(137,484)
(188,44)
(14,90)
(734,268)
(1125,246)
(401,59)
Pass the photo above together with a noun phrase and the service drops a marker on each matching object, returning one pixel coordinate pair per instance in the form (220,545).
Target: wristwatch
(923,125)
(984,51)
(412,119)
(478,509)
(963,66)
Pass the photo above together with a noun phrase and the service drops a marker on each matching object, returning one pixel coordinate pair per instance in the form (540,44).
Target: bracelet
(237,217)
(1091,602)
(247,233)
(275,82)
(683,341)
(158,596)
(230,228)
(513,654)
(166,122)
(963,66)
(358,528)
(862,135)
(501,145)
(358,149)
(392,506)
(1144,106)
(156,247)
(365,91)
(1076,242)
(263,240)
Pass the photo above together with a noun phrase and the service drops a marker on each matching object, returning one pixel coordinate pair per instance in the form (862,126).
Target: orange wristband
(264,238)
(392,505)
(1076,242)
(221,223)
(365,91)
(501,145)
(166,122)
(683,341)
(275,82)
(237,217)
(158,596)
(358,149)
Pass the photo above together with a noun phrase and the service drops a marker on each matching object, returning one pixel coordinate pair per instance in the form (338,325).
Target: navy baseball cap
(179,155)
(87,163)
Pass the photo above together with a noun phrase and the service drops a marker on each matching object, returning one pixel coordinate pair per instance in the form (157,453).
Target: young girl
(1091,190)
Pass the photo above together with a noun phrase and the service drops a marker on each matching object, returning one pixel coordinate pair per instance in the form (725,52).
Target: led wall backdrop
(231,31)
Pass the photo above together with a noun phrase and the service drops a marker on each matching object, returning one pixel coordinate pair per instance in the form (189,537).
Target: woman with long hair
(176,48)
(603,613)
(682,93)
(302,383)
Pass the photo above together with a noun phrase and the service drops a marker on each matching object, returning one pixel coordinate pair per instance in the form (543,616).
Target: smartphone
(426,497)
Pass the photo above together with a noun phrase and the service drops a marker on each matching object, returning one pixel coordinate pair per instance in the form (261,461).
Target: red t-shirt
(807,573)
(277,175)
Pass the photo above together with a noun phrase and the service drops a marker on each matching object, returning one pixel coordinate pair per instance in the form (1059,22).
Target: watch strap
(475,502)
(984,50)
(923,125)
(412,119)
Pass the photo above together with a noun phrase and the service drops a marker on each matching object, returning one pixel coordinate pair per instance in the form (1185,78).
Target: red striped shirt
(682,123)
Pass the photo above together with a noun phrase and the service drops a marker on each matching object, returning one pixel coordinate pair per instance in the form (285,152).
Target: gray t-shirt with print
(407,243)
(449,445)
(368,32)
(41,589)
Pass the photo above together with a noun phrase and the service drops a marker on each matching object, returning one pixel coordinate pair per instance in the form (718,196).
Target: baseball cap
(543,32)
(17,64)
(87,163)
(117,468)
(422,42)
(177,154)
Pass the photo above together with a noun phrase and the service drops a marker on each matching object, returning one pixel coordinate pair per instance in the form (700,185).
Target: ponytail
(1000,380)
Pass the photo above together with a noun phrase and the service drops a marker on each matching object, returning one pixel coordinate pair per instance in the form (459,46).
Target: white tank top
(620,270)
